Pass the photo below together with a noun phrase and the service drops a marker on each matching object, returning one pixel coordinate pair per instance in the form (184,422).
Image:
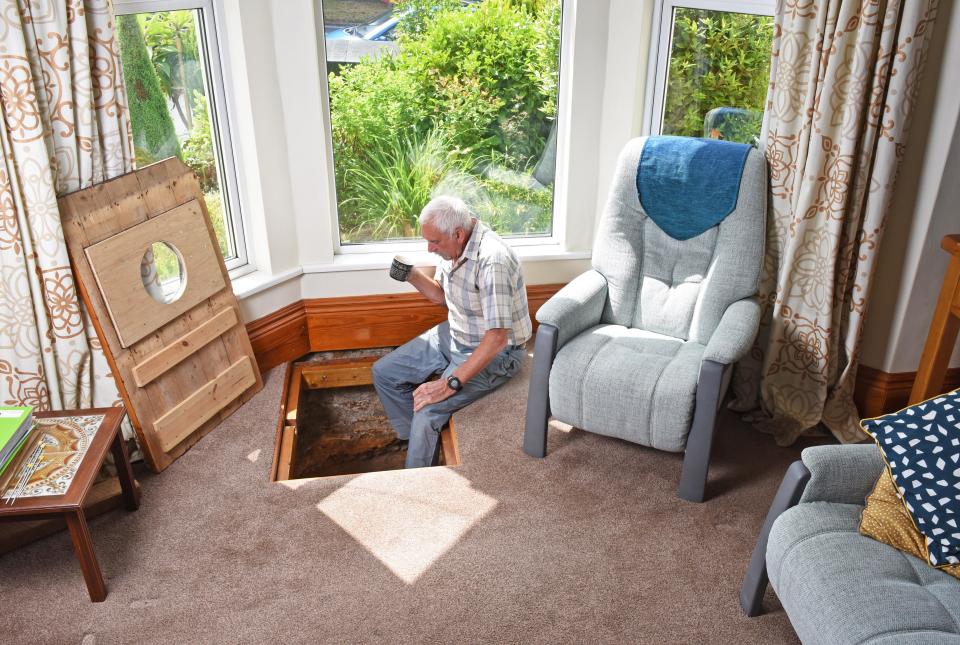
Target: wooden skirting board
(877,392)
(356,322)
(381,321)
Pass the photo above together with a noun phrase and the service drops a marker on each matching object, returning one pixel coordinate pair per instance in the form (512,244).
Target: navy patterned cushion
(921,444)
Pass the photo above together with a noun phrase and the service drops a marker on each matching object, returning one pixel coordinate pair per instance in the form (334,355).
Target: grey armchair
(640,347)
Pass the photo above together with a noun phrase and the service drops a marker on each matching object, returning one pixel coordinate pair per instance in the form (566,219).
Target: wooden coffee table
(70,505)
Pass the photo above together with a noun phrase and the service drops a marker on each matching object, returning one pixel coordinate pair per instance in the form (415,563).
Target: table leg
(121,460)
(83,546)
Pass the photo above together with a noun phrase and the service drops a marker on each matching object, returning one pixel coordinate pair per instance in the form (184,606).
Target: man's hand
(431,392)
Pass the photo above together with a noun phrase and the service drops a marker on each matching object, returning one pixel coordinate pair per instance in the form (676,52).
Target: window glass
(165,73)
(442,97)
(718,68)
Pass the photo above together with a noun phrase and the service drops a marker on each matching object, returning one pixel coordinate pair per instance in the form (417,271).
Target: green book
(15,424)
(16,451)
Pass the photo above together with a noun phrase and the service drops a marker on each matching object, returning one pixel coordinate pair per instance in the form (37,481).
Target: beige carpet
(590,544)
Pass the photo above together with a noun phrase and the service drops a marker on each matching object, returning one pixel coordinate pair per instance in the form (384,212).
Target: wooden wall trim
(877,392)
(353,322)
(279,337)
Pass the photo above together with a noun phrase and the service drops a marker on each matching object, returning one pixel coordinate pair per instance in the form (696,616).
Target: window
(711,65)
(430,97)
(171,68)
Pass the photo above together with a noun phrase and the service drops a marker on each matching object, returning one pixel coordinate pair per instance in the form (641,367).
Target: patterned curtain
(65,127)
(843,87)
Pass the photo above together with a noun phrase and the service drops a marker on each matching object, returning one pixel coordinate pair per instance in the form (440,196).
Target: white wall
(924,209)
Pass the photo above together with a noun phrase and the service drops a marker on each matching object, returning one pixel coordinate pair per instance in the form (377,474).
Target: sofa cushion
(602,381)
(886,519)
(921,445)
(838,586)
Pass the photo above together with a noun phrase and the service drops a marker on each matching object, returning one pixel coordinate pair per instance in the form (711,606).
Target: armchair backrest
(673,287)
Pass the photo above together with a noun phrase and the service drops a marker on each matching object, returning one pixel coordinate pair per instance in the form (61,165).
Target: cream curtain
(843,87)
(65,127)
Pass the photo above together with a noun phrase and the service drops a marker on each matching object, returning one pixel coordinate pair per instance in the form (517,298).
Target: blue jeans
(400,372)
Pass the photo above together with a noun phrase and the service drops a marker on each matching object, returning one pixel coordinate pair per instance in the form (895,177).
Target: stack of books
(16,424)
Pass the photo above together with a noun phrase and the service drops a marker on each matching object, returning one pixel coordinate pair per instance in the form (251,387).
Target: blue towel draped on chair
(688,185)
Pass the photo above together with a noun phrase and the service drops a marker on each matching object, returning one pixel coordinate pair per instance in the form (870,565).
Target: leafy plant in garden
(416,15)
(494,43)
(153,135)
(172,39)
(474,84)
(198,147)
(718,59)
(395,182)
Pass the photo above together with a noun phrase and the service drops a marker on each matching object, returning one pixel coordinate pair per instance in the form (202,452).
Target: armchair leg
(693,477)
(538,399)
(788,495)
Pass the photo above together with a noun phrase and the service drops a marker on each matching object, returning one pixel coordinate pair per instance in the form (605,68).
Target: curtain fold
(843,86)
(65,127)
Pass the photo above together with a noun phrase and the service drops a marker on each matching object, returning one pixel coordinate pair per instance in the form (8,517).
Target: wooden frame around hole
(331,374)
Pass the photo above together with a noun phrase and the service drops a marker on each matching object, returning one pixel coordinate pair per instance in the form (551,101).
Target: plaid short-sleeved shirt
(484,290)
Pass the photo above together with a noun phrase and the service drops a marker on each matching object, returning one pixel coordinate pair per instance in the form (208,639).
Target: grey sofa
(640,347)
(836,585)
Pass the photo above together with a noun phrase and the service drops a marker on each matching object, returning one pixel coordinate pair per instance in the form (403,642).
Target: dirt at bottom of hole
(343,431)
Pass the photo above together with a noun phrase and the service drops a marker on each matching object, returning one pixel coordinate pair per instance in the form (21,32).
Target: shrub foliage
(472,85)
(719,59)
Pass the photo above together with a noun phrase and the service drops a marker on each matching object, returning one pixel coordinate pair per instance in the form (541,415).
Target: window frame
(217,98)
(412,246)
(661,41)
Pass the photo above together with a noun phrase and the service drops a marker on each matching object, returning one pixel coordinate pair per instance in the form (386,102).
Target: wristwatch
(454,383)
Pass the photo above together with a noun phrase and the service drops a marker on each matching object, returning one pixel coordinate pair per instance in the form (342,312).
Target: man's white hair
(447,214)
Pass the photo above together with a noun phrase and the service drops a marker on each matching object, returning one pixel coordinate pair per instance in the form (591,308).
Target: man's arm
(427,286)
(492,343)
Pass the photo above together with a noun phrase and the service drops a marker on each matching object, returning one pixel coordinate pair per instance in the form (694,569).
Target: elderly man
(480,346)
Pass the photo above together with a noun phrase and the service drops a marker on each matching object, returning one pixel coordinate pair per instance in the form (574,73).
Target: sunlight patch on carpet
(253,456)
(407,519)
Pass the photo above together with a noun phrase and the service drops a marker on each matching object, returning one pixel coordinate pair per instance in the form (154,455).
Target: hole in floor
(332,422)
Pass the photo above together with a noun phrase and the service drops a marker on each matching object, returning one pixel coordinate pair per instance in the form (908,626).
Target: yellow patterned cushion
(886,520)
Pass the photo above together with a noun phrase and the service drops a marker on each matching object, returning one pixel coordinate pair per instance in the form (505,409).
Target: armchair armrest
(576,306)
(732,338)
(841,474)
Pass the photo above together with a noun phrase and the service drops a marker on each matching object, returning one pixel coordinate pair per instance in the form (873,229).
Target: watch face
(454,383)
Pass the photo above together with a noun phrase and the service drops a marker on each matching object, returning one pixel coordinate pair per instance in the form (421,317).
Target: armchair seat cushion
(627,383)
(838,586)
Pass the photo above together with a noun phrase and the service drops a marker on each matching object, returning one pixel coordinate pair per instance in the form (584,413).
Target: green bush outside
(153,135)
(470,87)
(718,59)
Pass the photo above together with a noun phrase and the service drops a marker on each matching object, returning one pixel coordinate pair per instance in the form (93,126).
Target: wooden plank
(156,364)
(449,448)
(317,377)
(182,420)
(95,214)
(288,445)
(293,395)
(278,434)
(116,267)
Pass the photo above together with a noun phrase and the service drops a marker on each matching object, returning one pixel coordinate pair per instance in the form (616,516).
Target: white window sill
(374,260)
(257,281)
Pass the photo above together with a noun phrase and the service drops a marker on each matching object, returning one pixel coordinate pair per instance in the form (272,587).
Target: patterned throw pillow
(921,445)
(885,519)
